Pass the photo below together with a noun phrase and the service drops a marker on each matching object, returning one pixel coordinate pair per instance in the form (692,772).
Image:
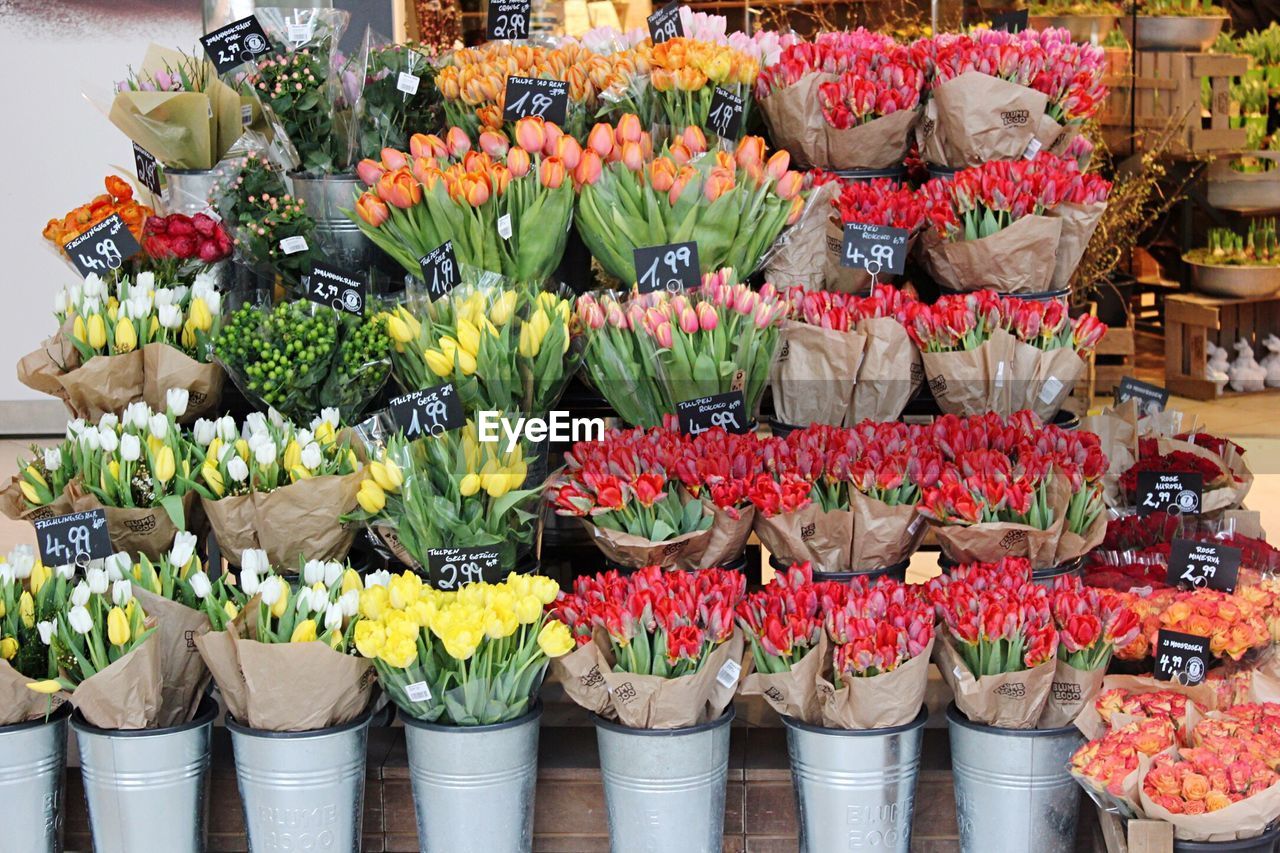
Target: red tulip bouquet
(1015,226)
(996,95)
(507,208)
(656,650)
(983,352)
(734,206)
(718,467)
(882,201)
(847,100)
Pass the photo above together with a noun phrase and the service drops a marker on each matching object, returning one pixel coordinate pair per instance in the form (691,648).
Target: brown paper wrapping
(18,703)
(14,505)
(814,374)
(788,113)
(726,543)
(1011,700)
(1016,259)
(182,671)
(1072,690)
(1072,546)
(975,117)
(635,552)
(883,535)
(795,693)
(1244,819)
(1091,724)
(881,143)
(823,538)
(1227,497)
(1079,221)
(1062,364)
(219,655)
(882,701)
(105,383)
(972,382)
(993,541)
(581,673)
(799,256)
(1117,431)
(650,702)
(890,372)
(42,369)
(146,530)
(128,693)
(165,367)
(294,522)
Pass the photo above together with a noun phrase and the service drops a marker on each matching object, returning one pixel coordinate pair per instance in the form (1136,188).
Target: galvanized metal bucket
(1264,843)
(33,762)
(665,788)
(189,191)
(326,197)
(473,786)
(302,790)
(855,789)
(147,788)
(1014,792)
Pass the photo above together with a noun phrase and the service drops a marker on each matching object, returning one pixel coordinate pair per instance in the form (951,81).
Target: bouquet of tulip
(504,349)
(718,467)
(983,352)
(882,201)
(118,199)
(846,100)
(1019,226)
(299,357)
(669,635)
(505,208)
(468,657)
(629,197)
(659,349)
(276,486)
(1107,766)
(399,95)
(999,629)
(996,95)
(449,491)
(39,489)
(299,640)
(176,107)
(843,358)
(30,596)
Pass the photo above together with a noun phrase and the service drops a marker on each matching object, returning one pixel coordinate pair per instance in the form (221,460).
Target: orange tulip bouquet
(505,207)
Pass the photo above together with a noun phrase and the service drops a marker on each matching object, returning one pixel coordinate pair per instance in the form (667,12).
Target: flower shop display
(1220,462)
(843,359)
(465,667)
(995,95)
(399,96)
(505,208)
(647,353)
(1014,226)
(1238,265)
(880,201)
(1091,625)
(847,100)
(1107,766)
(275,486)
(681,90)
(983,352)
(632,196)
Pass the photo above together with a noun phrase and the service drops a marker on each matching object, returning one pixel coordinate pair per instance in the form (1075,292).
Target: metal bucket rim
(533,714)
(57,715)
(955,717)
(361,720)
(212,171)
(609,725)
(1065,568)
(205,715)
(1267,835)
(899,566)
(920,720)
(343,177)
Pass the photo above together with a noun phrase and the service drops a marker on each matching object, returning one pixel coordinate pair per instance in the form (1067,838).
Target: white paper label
(212,214)
(915,524)
(293,245)
(407,83)
(418,692)
(728,674)
(1049,391)
(246,115)
(504,226)
(1033,148)
(299,33)
(999,375)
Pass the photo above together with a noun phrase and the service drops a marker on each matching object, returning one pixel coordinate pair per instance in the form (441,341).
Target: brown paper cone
(883,535)
(219,655)
(1072,546)
(42,368)
(727,541)
(14,505)
(814,373)
(164,367)
(18,703)
(795,693)
(147,531)
(651,702)
(1079,221)
(182,671)
(976,381)
(581,672)
(634,552)
(825,539)
(795,120)
(975,117)
(106,383)
(1054,378)
(1016,259)
(1072,690)
(1244,819)
(881,143)
(128,693)
(991,542)
(882,701)
(799,256)
(1011,700)
(889,374)
(1117,432)
(295,687)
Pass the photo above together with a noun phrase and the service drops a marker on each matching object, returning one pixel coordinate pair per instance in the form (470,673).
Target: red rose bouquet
(1226,478)
(882,201)
(186,245)
(668,638)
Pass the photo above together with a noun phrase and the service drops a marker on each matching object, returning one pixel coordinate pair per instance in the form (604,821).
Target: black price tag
(1177,494)
(1151,398)
(1204,564)
(673,267)
(336,288)
(440,270)
(66,539)
(237,43)
(105,246)
(432,411)
(728,411)
(724,119)
(1013,22)
(536,96)
(1180,657)
(665,24)
(146,168)
(452,568)
(507,19)
(878,249)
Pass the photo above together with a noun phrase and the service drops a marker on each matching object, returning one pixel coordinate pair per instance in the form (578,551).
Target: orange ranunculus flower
(372,209)
(120,189)
(399,188)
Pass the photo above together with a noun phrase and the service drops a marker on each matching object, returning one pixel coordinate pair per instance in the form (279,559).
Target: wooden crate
(1167,88)
(1191,320)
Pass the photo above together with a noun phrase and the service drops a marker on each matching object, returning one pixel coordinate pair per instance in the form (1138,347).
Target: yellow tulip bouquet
(131,339)
(504,349)
(30,596)
(276,486)
(449,491)
(470,657)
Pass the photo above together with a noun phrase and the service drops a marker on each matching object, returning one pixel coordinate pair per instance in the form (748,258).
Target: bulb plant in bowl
(1088,21)
(1191,25)
(1238,265)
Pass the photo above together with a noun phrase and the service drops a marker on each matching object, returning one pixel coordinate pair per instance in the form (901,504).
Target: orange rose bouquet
(1219,793)
(1107,767)
(507,208)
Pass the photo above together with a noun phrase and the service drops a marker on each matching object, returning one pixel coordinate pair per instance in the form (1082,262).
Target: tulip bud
(600,140)
(494,143)
(629,129)
(531,133)
(518,162)
(457,142)
(369,171)
(589,168)
(551,173)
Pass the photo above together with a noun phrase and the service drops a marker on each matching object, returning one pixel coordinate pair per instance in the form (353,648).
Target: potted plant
(1238,266)
(1190,25)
